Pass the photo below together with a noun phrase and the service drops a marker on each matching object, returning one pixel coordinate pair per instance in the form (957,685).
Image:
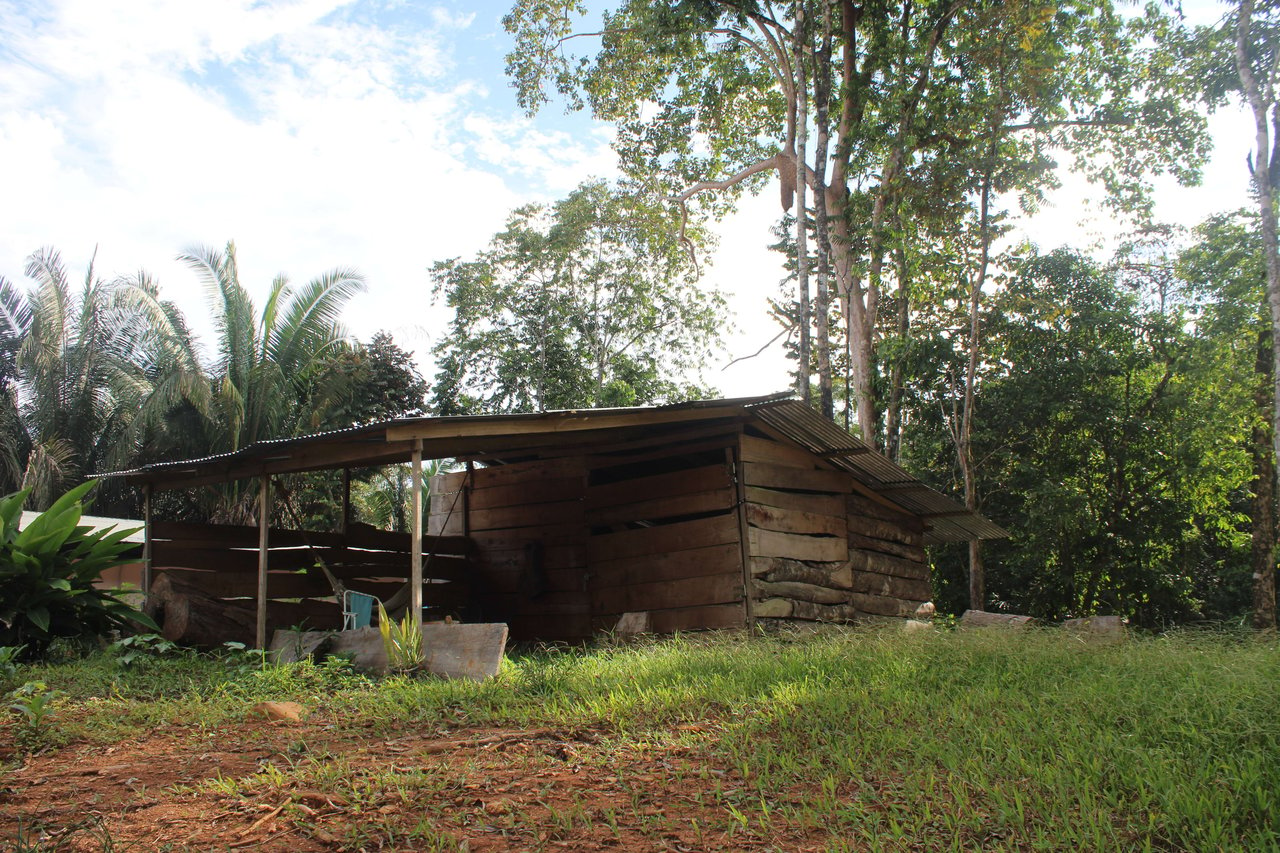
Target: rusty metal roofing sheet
(947,520)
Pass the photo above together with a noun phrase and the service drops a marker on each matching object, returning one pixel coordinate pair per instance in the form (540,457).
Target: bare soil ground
(311,786)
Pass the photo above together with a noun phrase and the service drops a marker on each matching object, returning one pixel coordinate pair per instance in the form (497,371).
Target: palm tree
(262,381)
(76,373)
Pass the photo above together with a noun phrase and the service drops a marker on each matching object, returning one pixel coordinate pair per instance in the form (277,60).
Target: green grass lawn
(872,739)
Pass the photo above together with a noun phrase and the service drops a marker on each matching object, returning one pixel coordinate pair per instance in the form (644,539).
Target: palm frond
(310,322)
(50,471)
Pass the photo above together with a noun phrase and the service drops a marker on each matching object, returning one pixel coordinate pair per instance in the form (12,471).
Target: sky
(379,134)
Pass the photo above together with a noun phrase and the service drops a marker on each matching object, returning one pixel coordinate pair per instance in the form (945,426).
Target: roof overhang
(491,436)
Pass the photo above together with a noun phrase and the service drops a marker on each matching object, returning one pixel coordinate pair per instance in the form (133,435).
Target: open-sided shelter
(709,514)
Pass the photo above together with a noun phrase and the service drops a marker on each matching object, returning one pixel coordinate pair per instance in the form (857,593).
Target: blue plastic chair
(357,610)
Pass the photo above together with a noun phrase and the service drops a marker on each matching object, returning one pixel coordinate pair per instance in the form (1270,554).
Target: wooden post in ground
(415,524)
(264,526)
(733,458)
(146,540)
(346,503)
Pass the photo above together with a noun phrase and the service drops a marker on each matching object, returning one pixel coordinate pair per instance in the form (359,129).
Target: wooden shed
(709,514)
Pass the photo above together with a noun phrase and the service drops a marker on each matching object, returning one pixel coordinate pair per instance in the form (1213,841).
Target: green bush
(47,575)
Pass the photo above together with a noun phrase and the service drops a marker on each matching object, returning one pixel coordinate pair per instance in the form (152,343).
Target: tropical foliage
(48,571)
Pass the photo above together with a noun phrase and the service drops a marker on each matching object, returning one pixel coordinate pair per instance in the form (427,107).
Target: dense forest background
(1116,414)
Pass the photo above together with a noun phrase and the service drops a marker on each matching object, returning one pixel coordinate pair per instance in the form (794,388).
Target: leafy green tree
(369,382)
(1118,474)
(710,100)
(1226,272)
(586,303)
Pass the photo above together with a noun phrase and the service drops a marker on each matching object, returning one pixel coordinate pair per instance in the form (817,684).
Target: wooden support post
(415,559)
(146,539)
(466,498)
(346,502)
(264,527)
(733,458)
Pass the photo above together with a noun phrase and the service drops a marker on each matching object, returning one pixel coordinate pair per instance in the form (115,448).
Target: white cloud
(311,138)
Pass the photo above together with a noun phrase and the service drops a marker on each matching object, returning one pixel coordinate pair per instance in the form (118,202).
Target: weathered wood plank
(787,608)
(794,521)
(658,508)
(817,504)
(776,453)
(780,569)
(867,508)
(565,626)
(672,565)
(279,584)
(687,592)
(884,564)
(528,515)
(658,447)
(696,618)
(883,605)
(911,589)
(770,543)
(782,477)
(878,529)
(539,469)
(684,482)
(533,491)
(562,556)
(799,591)
(681,536)
(983,619)
(551,580)
(868,543)
(516,538)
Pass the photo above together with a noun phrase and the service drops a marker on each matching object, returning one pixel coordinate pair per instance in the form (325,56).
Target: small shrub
(140,647)
(402,640)
(33,703)
(47,575)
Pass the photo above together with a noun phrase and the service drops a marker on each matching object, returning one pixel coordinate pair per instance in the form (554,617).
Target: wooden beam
(346,502)
(551,423)
(415,558)
(264,529)
(146,539)
(733,456)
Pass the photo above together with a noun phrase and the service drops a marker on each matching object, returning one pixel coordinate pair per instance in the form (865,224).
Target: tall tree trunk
(1254,94)
(1264,487)
(802,216)
(964,446)
(893,406)
(822,307)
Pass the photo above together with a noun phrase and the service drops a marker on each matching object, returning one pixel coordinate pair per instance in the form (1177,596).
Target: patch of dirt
(309,786)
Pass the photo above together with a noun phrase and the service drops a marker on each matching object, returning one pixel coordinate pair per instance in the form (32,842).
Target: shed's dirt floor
(311,786)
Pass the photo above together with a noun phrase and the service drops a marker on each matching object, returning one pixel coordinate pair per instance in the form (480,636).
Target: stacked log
(887,558)
(797,534)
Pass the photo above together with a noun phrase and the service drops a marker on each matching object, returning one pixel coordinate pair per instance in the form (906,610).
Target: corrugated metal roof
(947,520)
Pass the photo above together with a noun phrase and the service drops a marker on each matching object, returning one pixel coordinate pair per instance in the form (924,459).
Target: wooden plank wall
(797,528)
(886,554)
(819,549)
(222,560)
(526,526)
(664,536)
